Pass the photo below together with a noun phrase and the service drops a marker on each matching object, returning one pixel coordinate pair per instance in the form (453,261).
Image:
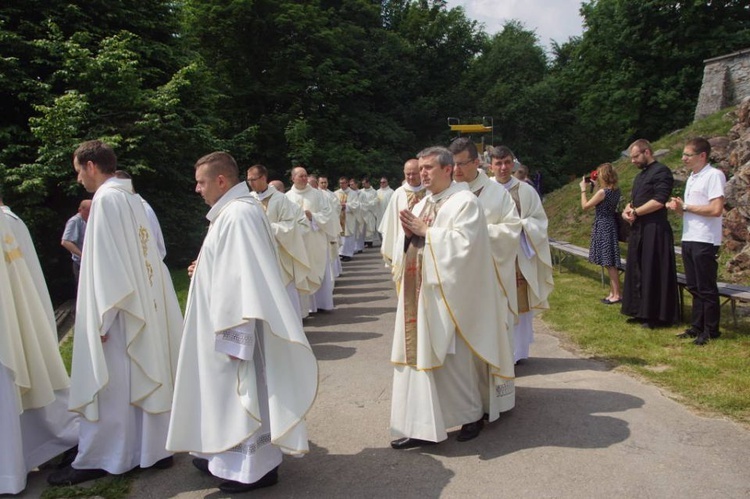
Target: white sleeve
(238,341)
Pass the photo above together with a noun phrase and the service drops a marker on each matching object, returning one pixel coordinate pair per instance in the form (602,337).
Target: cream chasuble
(237,281)
(289,226)
(392,249)
(28,344)
(324,223)
(348,215)
(122,275)
(370,209)
(458,298)
(504,227)
(35,425)
(384,197)
(534,259)
(23,237)
(333,241)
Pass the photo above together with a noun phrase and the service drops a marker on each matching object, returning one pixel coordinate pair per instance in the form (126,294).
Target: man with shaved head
(246,375)
(323,224)
(404,198)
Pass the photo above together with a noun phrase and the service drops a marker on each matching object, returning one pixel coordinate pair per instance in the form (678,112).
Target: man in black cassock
(650,292)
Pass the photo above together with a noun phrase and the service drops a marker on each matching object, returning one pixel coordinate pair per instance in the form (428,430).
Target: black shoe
(202,465)
(701,340)
(634,320)
(72,476)
(470,431)
(346,259)
(410,443)
(163,464)
(715,335)
(688,333)
(232,487)
(68,457)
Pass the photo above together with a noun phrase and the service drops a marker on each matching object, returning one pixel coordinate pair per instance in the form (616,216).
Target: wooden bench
(730,293)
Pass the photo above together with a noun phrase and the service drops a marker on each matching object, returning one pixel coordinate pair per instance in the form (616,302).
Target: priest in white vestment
(384,197)
(533,261)
(451,367)
(333,241)
(371,212)
(151,214)
(247,375)
(323,223)
(404,198)
(349,202)
(289,226)
(360,228)
(35,425)
(127,331)
(503,222)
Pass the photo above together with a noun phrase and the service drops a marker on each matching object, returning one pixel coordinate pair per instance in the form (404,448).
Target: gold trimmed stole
(413,282)
(522,286)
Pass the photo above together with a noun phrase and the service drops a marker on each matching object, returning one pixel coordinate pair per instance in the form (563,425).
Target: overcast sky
(555,20)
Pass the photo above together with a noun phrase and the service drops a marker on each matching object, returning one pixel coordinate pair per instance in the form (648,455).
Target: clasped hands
(413,225)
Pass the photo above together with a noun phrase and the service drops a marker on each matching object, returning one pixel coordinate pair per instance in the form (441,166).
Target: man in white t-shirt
(701,213)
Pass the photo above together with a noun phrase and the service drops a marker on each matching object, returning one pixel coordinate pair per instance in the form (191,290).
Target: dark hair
(262,170)
(97,152)
(699,145)
(501,152)
(462,144)
(220,163)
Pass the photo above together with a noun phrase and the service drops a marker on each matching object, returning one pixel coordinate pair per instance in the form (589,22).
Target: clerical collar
(478,182)
(307,188)
(124,184)
(445,193)
(266,194)
(408,187)
(239,190)
(510,183)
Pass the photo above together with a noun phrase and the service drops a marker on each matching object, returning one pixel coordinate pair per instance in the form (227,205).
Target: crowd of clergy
(232,381)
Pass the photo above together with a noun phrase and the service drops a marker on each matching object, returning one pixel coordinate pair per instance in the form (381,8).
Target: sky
(555,20)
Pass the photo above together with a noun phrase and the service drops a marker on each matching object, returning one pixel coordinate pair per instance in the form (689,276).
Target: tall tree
(123,77)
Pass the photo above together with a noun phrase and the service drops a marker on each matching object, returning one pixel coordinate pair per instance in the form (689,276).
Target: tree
(134,87)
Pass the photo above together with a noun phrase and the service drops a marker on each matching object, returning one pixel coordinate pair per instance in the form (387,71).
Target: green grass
(107,488)
(713,378)
(181,283)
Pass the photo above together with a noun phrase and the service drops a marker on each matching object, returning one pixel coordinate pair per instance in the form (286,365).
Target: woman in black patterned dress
(604,249)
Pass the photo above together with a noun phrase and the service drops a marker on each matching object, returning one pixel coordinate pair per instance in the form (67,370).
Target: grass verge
(713,378)
(106,488)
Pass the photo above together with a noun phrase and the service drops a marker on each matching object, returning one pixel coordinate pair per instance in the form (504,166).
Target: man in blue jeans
(701,211)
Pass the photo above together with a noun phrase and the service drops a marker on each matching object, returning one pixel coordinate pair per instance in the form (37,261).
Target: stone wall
(726,81)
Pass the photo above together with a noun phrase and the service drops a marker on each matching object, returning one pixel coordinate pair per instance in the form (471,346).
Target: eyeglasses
(461,164)
(689,154)
(253,179)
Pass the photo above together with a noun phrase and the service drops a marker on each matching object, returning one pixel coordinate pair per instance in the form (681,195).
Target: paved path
(578,430)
